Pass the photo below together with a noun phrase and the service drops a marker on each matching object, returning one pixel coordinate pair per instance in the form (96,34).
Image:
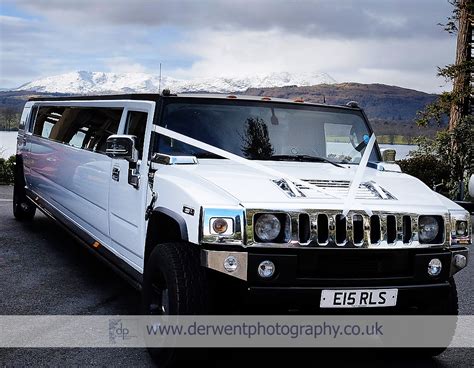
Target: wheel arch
(164,226)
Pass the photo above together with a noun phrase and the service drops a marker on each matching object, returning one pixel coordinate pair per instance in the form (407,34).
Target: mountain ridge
(392,110)
(86,82)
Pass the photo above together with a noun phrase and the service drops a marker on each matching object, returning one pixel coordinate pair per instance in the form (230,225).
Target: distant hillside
(11,105)
(16,99)
(390,109)
(388,103)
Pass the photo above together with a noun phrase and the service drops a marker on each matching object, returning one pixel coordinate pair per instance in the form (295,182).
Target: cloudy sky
(395,42)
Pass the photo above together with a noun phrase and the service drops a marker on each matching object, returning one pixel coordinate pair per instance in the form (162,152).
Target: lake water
(8,146)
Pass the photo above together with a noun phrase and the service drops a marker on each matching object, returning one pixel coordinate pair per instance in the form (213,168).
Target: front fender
(183,195)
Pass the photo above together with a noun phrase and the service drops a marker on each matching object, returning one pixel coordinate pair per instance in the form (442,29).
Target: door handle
(116,173)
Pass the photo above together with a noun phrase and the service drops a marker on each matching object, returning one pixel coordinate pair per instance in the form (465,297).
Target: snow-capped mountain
(83,82)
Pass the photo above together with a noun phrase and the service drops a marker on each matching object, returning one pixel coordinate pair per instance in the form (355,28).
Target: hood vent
(340,188)
(289,188)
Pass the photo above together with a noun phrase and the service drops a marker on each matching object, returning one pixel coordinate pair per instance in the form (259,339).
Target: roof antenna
(159,82)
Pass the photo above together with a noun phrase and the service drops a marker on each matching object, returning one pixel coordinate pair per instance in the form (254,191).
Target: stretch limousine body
(285,203)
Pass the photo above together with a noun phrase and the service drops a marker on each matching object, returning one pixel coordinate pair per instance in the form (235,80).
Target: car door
(21,143)
(24,134)
(127,203)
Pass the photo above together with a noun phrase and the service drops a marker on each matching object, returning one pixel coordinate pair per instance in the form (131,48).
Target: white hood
(256,189)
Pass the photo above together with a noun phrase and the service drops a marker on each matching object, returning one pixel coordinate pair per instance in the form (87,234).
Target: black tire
(446,307)
(174,268)
(23,208)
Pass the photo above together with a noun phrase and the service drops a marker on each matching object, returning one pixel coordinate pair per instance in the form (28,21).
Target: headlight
(429,228)
(461,228)
(267,227)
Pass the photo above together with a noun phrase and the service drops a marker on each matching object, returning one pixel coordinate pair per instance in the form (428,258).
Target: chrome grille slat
(313,227)
(366,231)
(399,229)
(332,228)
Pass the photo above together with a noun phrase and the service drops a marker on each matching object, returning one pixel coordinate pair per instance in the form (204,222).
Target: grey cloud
(322,18)
(32,48)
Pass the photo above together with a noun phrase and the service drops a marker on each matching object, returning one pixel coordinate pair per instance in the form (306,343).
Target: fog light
(434,267)
(230,264)
(460,261)
(266,269)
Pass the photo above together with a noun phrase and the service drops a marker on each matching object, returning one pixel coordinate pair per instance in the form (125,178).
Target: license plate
(358,298)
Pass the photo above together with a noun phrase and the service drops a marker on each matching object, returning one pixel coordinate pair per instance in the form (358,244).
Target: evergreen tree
(257,143)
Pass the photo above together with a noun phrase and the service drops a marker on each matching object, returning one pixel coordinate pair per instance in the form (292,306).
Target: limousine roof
(155,97)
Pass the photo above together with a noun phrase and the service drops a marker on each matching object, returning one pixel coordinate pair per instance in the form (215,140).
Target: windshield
(265,130)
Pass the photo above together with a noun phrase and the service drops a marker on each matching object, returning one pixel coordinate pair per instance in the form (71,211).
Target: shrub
(7,169)
(445,162)
(429,169)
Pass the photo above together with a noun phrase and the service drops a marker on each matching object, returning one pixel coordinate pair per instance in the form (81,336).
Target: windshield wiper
(304,158)
(208,155)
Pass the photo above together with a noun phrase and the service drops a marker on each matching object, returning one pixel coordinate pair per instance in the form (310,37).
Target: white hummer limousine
(285,204)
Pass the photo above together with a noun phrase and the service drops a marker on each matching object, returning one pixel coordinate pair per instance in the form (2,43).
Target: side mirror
(122,146)
(388,155)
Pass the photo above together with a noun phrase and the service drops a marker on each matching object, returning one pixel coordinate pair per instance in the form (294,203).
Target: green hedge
(429,169)
(7,168)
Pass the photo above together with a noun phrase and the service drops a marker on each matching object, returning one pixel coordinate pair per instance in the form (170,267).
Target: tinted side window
(91,127)
(46,119)
(24,116)
(136,125)
(81,127)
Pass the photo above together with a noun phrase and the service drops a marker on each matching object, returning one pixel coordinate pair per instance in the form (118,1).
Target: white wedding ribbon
(350,200)
(220,152)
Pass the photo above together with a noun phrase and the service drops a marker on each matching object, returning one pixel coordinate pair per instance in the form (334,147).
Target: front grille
(328,228)
(357,230)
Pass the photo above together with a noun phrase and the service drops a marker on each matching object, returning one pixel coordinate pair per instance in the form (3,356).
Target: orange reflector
(298,100)
(231,96)
(96,244)
(266,98)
